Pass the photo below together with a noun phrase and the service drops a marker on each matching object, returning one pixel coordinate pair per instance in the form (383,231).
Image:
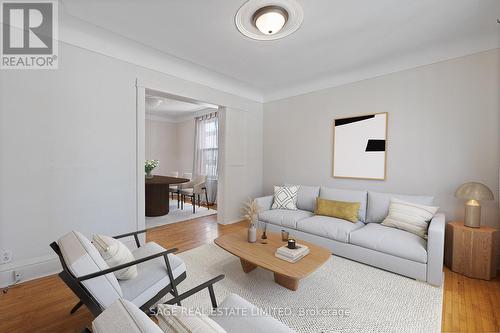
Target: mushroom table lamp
(473,193)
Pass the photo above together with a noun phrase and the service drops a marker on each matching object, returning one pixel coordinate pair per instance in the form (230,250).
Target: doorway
(180,138)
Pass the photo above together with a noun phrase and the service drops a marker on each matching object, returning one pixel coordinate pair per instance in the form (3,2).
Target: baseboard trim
(231,221)
(30,269)
(39,267)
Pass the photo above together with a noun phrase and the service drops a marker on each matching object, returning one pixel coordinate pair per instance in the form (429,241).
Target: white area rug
(377,301)
(177,215)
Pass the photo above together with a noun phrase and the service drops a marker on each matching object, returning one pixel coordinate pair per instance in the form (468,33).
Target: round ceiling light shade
(269,20)
(153,102)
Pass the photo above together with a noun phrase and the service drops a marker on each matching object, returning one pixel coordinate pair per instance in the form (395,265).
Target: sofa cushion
(328,227)
(124,317)
(285,197)
(284,217)
(410,217)
(82,258)
(378,204)
(346,195)
(306,197)
(392,241)
(340,209)
(152,274)
(239,315)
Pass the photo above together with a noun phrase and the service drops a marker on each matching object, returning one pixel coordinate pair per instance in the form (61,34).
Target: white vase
(252,234)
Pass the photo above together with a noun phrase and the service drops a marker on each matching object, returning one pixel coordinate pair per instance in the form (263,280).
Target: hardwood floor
(43,305)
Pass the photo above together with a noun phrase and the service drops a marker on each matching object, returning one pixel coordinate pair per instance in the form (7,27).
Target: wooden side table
(471,251)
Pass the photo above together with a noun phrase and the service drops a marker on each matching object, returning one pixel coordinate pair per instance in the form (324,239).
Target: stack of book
(292,255)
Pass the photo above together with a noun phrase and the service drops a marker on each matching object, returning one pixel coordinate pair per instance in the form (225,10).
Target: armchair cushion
(176,319)
(82,258)
(124,317)
(152,274)
(236,314)
(115,253)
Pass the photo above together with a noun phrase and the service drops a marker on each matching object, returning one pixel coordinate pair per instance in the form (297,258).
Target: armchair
(235,315)
(86,273)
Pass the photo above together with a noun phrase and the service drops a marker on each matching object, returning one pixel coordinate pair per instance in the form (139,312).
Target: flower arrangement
(251,210)
(149,166)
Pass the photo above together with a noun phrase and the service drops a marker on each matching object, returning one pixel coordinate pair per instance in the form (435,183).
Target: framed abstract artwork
(360,147)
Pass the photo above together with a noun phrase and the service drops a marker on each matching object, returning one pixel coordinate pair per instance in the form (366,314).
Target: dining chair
(194,189)
(174,189)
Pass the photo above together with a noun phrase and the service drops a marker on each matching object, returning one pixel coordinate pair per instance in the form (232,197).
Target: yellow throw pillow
(339,209)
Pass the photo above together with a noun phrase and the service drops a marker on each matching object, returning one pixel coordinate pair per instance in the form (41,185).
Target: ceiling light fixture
(269,19)
(153,102)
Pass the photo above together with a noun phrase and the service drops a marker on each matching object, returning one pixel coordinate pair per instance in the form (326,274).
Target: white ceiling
(172,109)
(340,41)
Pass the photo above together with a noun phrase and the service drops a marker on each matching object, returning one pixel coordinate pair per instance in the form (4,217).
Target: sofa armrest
(266,202)
(435,250)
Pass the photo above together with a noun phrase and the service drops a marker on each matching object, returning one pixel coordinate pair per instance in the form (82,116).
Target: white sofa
(366,241)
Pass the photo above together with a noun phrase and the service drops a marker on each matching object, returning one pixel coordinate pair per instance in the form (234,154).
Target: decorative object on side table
(471,251)
(251,210)
(291,244)
(149,166)
(474,193)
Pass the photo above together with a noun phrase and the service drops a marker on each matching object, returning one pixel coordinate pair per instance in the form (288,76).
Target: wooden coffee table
(253,255)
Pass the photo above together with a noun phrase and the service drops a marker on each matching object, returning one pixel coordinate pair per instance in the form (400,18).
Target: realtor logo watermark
(29,35)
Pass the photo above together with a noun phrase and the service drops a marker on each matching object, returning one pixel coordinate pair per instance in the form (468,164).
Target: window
(207,146)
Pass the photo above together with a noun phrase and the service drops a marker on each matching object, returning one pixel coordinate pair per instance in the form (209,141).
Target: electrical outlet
(6,256)
(18,276)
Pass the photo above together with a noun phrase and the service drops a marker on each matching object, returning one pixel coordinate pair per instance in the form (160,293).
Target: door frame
(141,88)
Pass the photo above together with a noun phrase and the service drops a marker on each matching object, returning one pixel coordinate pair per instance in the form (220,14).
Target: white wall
(172,143)
(444,125)
(161,145)
(68,152)
(185,146)
(240,157)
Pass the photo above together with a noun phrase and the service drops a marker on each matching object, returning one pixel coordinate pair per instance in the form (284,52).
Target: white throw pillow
(115,253)
(177,319)
(285,197)
(410,217)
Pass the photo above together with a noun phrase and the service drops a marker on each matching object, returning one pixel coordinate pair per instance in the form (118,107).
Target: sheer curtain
(206,151)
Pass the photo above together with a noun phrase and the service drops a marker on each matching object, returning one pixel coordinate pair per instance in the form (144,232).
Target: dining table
(157,194)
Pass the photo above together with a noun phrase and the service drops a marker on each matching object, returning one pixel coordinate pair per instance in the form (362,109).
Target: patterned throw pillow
(285,197)
(410,217)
